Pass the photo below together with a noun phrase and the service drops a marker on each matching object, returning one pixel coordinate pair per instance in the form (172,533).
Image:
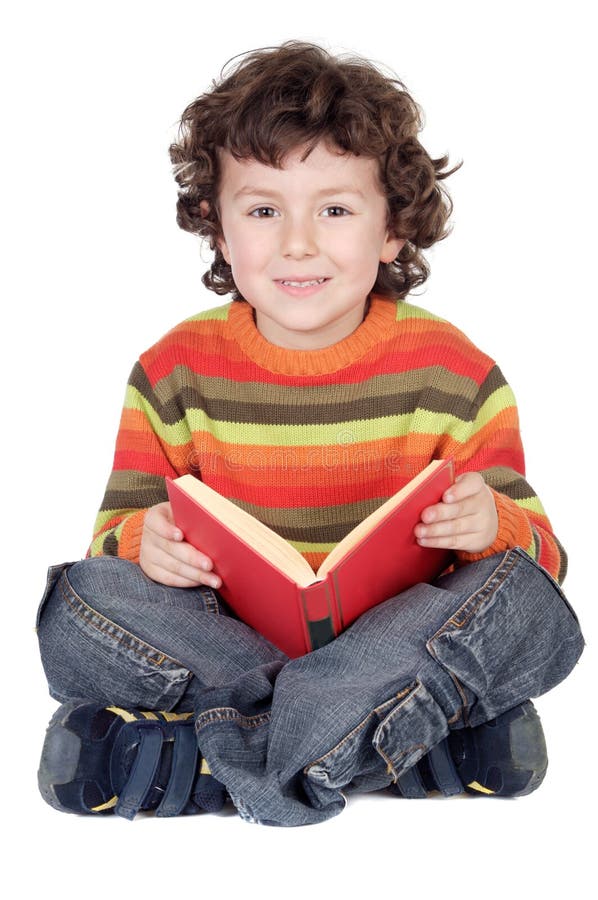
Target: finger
(159,521)
(451,528)
(182,561)
(185,561)
(466,485)
(186,555)
(181,576)
(444,512)
(164,576)
(467,542)
(154,542)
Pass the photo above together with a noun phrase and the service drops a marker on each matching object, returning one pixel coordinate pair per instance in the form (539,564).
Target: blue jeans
(289,738)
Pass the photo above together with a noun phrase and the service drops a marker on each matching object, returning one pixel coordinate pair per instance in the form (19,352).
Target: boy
(308,399)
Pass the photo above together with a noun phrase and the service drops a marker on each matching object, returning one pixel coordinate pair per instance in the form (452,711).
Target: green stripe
(176,435)
(97,545)
(533,504)
(532,550)
(217,313)
(500,400)
(334,434)
(422,421)
(307,547)
(411,311)
(104,516)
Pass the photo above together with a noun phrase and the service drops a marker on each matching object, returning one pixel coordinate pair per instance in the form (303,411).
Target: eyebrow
(251,190)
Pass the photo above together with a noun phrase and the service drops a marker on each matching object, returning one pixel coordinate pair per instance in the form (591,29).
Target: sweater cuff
(514,530)
(129,543)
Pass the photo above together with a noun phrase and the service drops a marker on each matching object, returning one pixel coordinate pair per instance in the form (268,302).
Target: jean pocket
(414,725)
(401,730)
(516,637)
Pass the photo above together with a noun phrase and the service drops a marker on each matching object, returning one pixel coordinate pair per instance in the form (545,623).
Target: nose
(298,238)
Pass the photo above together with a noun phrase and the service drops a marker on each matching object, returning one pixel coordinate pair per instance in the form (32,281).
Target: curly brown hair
(279,98)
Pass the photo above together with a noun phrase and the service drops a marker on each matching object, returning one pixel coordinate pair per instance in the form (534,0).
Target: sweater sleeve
(148,447)
(491,445)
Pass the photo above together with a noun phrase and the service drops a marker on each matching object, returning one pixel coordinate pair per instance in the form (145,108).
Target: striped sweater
(312,441)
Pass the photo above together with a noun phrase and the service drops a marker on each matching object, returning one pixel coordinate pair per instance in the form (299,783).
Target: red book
(271,587)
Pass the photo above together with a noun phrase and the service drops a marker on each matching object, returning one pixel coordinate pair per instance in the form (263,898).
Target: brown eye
(263,212)
(335,212)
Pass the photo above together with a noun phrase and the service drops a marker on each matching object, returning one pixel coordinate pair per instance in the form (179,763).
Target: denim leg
(109,633)
(288,738)
(361,711)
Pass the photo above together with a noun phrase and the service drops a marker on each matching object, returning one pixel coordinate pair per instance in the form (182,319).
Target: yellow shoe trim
(148,714)
(109,805)
(123,713)
(476,786)
(204,769)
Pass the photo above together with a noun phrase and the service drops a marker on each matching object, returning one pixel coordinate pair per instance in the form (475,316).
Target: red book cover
(302,611)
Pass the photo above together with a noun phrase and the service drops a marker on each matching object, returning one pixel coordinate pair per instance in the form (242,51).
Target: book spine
(317,605)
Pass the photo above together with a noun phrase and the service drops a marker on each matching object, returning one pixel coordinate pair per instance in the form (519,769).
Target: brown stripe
(378,386)
(339,520)
(508,482)
(272,404)
(494,380)
(169,409)
(368,407)
(132,490)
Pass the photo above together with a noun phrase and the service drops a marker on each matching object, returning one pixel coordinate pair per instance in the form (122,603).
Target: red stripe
(209,353)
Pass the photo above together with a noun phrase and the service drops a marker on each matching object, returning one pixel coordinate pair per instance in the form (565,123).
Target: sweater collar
(375,327)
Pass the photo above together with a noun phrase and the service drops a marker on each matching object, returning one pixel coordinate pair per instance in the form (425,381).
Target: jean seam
(229,714)
(405,696)
(210,599)
(87,614)
(359,727)
(470,607)
(391,768)
(467,611)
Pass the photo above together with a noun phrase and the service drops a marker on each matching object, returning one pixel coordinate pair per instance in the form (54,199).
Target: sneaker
(505,757)
(102,759)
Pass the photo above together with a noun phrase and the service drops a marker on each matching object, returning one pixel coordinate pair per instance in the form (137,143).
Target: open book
(272,588)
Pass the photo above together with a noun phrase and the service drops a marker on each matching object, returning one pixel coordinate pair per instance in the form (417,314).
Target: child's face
(324,218)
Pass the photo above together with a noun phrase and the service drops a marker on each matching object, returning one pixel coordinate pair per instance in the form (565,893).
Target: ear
(223,247)
(391,248)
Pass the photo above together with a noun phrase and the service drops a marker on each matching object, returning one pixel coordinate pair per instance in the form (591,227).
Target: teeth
(304,283)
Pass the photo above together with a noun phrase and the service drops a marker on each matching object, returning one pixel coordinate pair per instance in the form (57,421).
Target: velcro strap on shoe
(185,759)
(143,771)
(443,770)
(410,784)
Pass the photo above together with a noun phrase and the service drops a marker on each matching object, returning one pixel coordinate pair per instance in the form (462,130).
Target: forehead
(324,167)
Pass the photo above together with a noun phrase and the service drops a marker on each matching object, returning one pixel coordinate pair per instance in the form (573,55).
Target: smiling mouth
(301,284)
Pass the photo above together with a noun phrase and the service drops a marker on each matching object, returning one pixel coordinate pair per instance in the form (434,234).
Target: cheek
(361,257)
(249,255)
(360,247)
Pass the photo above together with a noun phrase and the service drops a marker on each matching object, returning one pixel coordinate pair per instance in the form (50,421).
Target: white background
(96,269)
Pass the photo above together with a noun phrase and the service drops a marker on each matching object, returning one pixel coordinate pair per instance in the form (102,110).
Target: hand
(166,557)
(466,519)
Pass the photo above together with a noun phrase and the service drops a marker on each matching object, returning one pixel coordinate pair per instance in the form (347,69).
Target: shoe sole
(60,756)
(526,752)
